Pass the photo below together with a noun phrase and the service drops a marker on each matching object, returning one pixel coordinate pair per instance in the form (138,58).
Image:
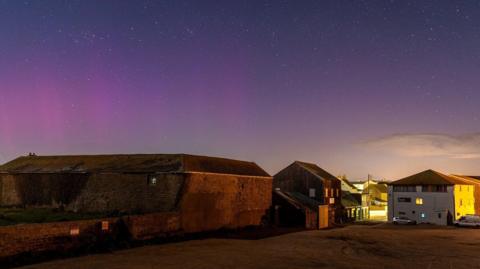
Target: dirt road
(381,246)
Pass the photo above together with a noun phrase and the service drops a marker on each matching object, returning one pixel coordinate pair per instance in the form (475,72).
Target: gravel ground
(356,246)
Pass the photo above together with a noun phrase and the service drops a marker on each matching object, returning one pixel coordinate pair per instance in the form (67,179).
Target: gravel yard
(356,246)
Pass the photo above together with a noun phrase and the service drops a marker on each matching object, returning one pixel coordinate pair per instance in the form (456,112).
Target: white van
(468,221)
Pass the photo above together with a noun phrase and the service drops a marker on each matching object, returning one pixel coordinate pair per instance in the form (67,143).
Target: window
(401,213)
(152,180)
(434,188)
(332,200)
(326,192)
(331,192)
(461,202)
(311,193)
(439,215)
(338,192)
(105,226)
(404,188)
(423,215)
(404,199)
(419,201)
(413,212)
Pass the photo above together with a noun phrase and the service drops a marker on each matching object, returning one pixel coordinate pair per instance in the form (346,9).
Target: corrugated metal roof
(131,163)
(428,177)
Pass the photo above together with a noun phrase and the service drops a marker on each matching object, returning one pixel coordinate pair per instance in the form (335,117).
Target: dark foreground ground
(356,246)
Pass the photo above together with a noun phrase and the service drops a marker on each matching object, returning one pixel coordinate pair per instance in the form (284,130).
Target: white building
(430,197)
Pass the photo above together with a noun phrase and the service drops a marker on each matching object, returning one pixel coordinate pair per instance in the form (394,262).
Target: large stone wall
(193,202)
(40,189)
(215,201)
(207,201)
(130,193)
(113,192)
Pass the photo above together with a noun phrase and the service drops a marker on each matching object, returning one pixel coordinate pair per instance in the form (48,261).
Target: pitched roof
(469,179)
(131,163)
(298,200)
(351,199)
(346,181)
(380,187)
(317,171)
(428,177)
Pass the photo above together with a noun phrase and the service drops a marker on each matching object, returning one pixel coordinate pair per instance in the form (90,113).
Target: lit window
(74,231)
(332,200)
(326,192)
(105,226)
(422,215)
(331,192)
(419,201)
(311,192)
(152,181)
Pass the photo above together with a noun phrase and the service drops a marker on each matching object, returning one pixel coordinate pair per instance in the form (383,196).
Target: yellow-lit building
(374,198)
(464,200)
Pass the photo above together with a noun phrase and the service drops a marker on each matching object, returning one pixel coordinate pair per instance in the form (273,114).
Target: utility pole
(368,196)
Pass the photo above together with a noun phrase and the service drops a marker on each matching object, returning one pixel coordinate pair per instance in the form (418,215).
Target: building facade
(313,182)
(353,210)
(206,193)
(430,197)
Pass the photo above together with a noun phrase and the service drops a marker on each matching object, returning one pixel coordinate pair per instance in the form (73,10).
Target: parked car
(403,220)
(468,221)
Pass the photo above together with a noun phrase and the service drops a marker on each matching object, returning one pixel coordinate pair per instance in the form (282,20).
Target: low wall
(42,237)
(62,237)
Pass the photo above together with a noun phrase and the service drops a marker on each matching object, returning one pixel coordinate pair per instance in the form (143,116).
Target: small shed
(293,209)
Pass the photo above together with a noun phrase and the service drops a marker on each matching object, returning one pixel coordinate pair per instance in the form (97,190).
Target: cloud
(429,145)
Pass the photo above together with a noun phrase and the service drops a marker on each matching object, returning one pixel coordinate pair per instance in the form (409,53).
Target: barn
(204,193)
(314,183)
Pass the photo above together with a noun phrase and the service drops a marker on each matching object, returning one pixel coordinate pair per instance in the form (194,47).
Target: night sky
(382,87)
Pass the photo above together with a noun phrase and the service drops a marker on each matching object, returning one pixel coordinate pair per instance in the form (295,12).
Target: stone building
(204,193)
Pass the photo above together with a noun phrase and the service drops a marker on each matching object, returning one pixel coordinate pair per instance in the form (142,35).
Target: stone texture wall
(8,192)
(153,225)
(41,237)
(129,193)
(123,193)
(183,203)
(40,189)
(215,201)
